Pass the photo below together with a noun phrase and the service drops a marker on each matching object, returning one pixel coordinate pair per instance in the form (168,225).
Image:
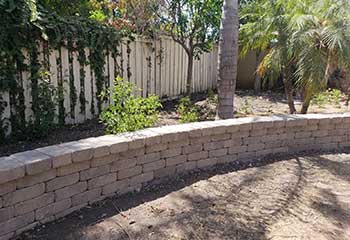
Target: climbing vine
(20,33)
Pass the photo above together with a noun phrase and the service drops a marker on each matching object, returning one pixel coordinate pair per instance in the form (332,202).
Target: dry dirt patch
(296,198)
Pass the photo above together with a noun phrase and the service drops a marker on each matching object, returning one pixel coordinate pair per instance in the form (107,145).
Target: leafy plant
(245,107)
(212,97)
(320,100)
(336,96)
(127,112)
(44,118)
(331,96)
(187,111)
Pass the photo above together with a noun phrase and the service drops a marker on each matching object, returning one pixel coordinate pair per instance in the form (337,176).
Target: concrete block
(175,160)
(156,148)
(149,167)
(97,162)
(239,149)
(220,137)
(102,180)
(132,153)
(123,164)
(86,197)
(33,204)
(130,172)
(23,194)
(148,158)
(227,159)
(69,191)
(115,187)
(171,152)
(246,156)
(16,223)
(258,132)
(7,187)
(10,169)
(35,162)
(61,156)
(204,139)
(80,151)
(165,172)
(73,168)
(214,145)
(192,148)
(61,182)
(204,163)
(178,144)
(31,180)
(69,211)
(52,209)
(94,172)
(6,213)
(197,156)
(141,179)
(256,147)
(233,142)
(186,166)
(218,152)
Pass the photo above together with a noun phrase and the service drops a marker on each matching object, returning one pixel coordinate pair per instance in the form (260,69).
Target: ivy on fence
(20,35)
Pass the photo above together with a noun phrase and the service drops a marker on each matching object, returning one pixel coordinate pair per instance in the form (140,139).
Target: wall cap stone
(43,159)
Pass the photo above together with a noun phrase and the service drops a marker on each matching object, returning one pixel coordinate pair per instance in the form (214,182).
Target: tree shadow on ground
(237,201)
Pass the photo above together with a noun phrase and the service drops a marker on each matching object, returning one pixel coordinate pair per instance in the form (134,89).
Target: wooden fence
(155,66)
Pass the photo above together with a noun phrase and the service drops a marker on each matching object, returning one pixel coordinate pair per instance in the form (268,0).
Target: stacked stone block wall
(48,183)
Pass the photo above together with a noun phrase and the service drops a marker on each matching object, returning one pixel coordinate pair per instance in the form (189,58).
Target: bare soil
(294,197)
(246,104)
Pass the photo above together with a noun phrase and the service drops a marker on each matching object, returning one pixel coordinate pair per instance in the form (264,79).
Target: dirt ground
(246,104)
(297,197)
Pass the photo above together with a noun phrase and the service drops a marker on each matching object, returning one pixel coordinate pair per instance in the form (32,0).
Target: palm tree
(228,57)
(265,29)
(321,43)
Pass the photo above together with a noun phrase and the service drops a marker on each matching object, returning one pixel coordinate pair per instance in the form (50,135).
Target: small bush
(212,97)
(245,107)
(127,112)
(187,111)
(331,96)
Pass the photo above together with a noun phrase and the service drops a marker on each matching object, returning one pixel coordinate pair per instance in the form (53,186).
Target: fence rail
(156,66)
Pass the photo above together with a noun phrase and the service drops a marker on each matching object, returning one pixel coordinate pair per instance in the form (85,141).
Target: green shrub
(187,111)
(320,100)
(335,96)
(246,106)
(331,96)
(127,112)
(44,106)
(212,97)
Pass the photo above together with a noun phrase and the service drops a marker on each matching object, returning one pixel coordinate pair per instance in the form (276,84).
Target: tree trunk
(288,88)
(306,98)
(189,75)
(228,57)
(306,104)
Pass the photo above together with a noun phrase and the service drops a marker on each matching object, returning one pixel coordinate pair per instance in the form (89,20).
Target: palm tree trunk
(288,88)
(228,57)
(306,105)
(306,98)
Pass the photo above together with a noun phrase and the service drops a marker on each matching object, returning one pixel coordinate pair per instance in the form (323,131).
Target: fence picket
(157,66)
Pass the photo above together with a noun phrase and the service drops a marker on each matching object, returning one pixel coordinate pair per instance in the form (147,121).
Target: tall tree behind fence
(156,66)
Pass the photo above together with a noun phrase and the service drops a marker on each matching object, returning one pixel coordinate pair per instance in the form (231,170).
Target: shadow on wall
(229,204)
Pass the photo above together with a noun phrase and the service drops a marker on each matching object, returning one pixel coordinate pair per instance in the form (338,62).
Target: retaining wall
(48,183)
